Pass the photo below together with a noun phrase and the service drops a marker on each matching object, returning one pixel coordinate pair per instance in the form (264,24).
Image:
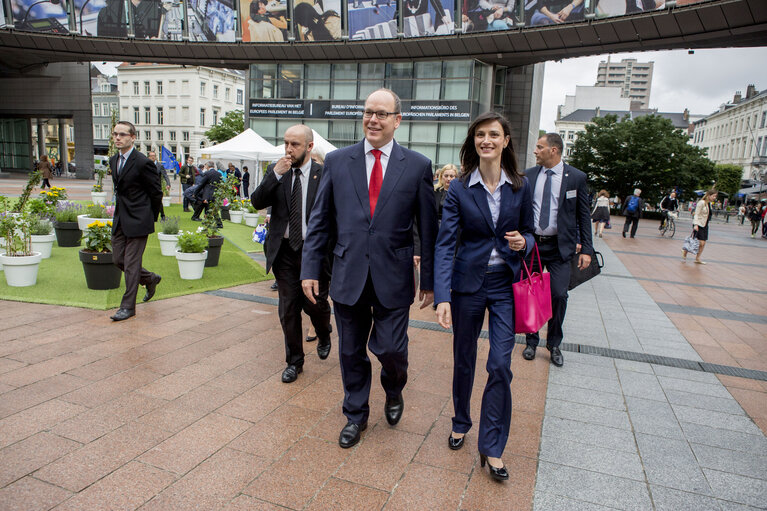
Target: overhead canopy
(322,146)
(248,145)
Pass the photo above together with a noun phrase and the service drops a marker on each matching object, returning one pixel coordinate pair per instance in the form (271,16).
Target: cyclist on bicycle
(669,203)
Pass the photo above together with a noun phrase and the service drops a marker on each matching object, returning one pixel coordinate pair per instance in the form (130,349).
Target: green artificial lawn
(61,280)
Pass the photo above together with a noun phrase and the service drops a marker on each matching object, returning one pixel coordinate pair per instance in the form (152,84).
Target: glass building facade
(439,100)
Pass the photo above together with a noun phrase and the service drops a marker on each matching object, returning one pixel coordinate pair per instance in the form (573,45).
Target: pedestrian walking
(601,213)
(632,210)
(754,214)
(700,222)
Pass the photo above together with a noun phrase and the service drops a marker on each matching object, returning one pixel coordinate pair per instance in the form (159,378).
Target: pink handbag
(532,298)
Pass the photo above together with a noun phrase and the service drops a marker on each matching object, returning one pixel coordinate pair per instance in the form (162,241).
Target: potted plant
(236,211)
(168,235)
(20,262)
(68,232)
(251,215)
(210,228)
(98,262)
(226,193)
(94,212)
(191,254)
(53,195)
(98,195)
(41,231)
(165,195)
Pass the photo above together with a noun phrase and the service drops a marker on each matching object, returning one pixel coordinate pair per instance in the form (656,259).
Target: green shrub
(192,242)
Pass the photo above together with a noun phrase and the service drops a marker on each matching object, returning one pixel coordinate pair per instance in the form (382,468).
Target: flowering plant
(99,186)
(54,195)
(169,225)
(16,231)
(192,242)
(40,225)
(67,211)
(237,205)
(40,207)
(99,211)
(98,236)
(250,207)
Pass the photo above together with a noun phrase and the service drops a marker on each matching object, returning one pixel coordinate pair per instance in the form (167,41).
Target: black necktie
(295,236)
(120,165)
(543,220)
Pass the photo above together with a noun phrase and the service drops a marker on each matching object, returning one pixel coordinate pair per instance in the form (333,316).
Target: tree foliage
(646,153)
(728,179)
(229,126)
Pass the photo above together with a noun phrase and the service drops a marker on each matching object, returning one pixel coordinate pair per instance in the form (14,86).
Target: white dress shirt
(494,203)
(125,160)
(556,185)
(370,159)
(304,176)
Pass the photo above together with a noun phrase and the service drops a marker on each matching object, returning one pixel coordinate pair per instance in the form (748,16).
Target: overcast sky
(699,82)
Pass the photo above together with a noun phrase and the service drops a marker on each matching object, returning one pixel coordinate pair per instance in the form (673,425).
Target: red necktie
(376,178)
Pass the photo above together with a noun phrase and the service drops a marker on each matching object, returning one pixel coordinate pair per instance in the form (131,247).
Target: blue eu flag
(168,160)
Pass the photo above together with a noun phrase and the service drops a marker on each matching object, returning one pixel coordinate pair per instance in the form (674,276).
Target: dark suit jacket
(573,216)
(276,193)
(206,185)
(138,195)
(381,247)
(465,210)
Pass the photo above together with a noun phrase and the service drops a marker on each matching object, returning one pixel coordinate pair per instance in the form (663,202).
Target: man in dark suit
(187,178)
(290,187)
(163,177)
(369,195)
(206,187)
(138,199)
(562,230)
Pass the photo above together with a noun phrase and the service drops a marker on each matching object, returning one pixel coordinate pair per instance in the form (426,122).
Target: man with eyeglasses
(138,196)
(368,197)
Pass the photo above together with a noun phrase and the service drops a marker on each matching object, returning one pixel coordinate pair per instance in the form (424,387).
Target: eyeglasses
(367,114)
(119,134)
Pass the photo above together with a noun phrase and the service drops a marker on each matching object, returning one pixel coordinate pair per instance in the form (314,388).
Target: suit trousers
(184,187)
(127,253)
(468,311)
(287,272)
(387,340)
(633,222)
(559,270)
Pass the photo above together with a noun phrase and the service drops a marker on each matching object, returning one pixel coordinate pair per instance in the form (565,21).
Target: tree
(230,125)
(112,122)
(728,179)
(646,153)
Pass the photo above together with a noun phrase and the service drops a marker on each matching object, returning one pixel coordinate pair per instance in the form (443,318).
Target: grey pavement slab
(671,463)
(668,499)
(588,433)
(653,418)
(630,365)
(575,368)
(586,396)
(716,404)
(694,387)
(544,501)
(560,450)
(685,374)
(585,382)
(749,464)
(720,420)
(641,385)
(736,488)
(723,438)
(587,413)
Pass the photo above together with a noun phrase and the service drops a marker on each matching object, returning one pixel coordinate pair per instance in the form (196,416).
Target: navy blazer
(138,195)
(383,246)
(574,215)
(465,209)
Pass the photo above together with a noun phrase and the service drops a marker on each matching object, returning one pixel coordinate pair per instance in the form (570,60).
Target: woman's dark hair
(470,158)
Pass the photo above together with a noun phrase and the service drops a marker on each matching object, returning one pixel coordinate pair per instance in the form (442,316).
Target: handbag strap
(532,261)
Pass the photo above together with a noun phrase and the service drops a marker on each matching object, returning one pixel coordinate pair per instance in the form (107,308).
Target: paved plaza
(661,403)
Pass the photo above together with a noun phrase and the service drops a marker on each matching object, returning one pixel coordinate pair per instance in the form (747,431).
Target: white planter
(21,271)
(251,219)
(166,201)
(43,243)
(84,220)
(236,216)
(191,265)
(99,197)
(168,243)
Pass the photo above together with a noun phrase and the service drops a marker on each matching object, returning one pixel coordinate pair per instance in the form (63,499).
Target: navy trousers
(559,271)
(468,311)
(387,341)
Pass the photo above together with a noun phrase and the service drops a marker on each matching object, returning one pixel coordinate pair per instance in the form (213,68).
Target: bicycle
(669,226)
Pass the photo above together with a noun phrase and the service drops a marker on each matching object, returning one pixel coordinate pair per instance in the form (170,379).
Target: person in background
(206,186)
(444,176)
(187,173)
(754,213)
(669,203)
(700,223)
(601,214)
(163,175)
(245,181)
(632,210)
(46,170)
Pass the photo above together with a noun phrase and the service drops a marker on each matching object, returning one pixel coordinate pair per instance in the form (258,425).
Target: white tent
(322,146)
(246,148)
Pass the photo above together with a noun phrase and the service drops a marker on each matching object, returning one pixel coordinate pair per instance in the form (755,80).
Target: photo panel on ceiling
(489,15)
(554,12)
(152,19)
(317,20)
(264,20)
(372,19)
(50,16)
(428,17)
(212,20)
(607,8)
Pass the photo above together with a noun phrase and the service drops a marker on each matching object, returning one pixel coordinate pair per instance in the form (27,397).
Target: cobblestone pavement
(182,407)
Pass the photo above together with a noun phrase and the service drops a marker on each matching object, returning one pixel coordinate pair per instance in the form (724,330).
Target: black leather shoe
(393,409)
(122,314)
(455,443)
(310,338)
(290,373)
(529,352)
(624,234)
(274,286)
(323,349)
(556,357)
(499,474)
(350,435)
(151,288)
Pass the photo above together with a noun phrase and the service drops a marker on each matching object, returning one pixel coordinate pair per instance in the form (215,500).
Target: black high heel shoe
(455,443)
(499,474)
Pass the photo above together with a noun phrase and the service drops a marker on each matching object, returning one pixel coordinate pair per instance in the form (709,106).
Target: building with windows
(439,100)
(174,106)
(632,77)
(105,100)
(587,97)
(737,133)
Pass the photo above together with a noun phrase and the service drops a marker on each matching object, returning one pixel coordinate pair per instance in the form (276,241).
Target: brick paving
(182,406)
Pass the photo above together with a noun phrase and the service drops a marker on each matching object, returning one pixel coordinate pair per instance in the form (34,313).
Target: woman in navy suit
(491,206)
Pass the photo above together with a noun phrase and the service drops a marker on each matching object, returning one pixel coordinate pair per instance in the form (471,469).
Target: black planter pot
(100,271)
(225,213)
(214,251)
(68,234)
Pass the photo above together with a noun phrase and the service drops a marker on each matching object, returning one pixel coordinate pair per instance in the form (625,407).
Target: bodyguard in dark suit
(562,231)
(206,187)
(163,177)
(290,187)
(138,199)
(369,195)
